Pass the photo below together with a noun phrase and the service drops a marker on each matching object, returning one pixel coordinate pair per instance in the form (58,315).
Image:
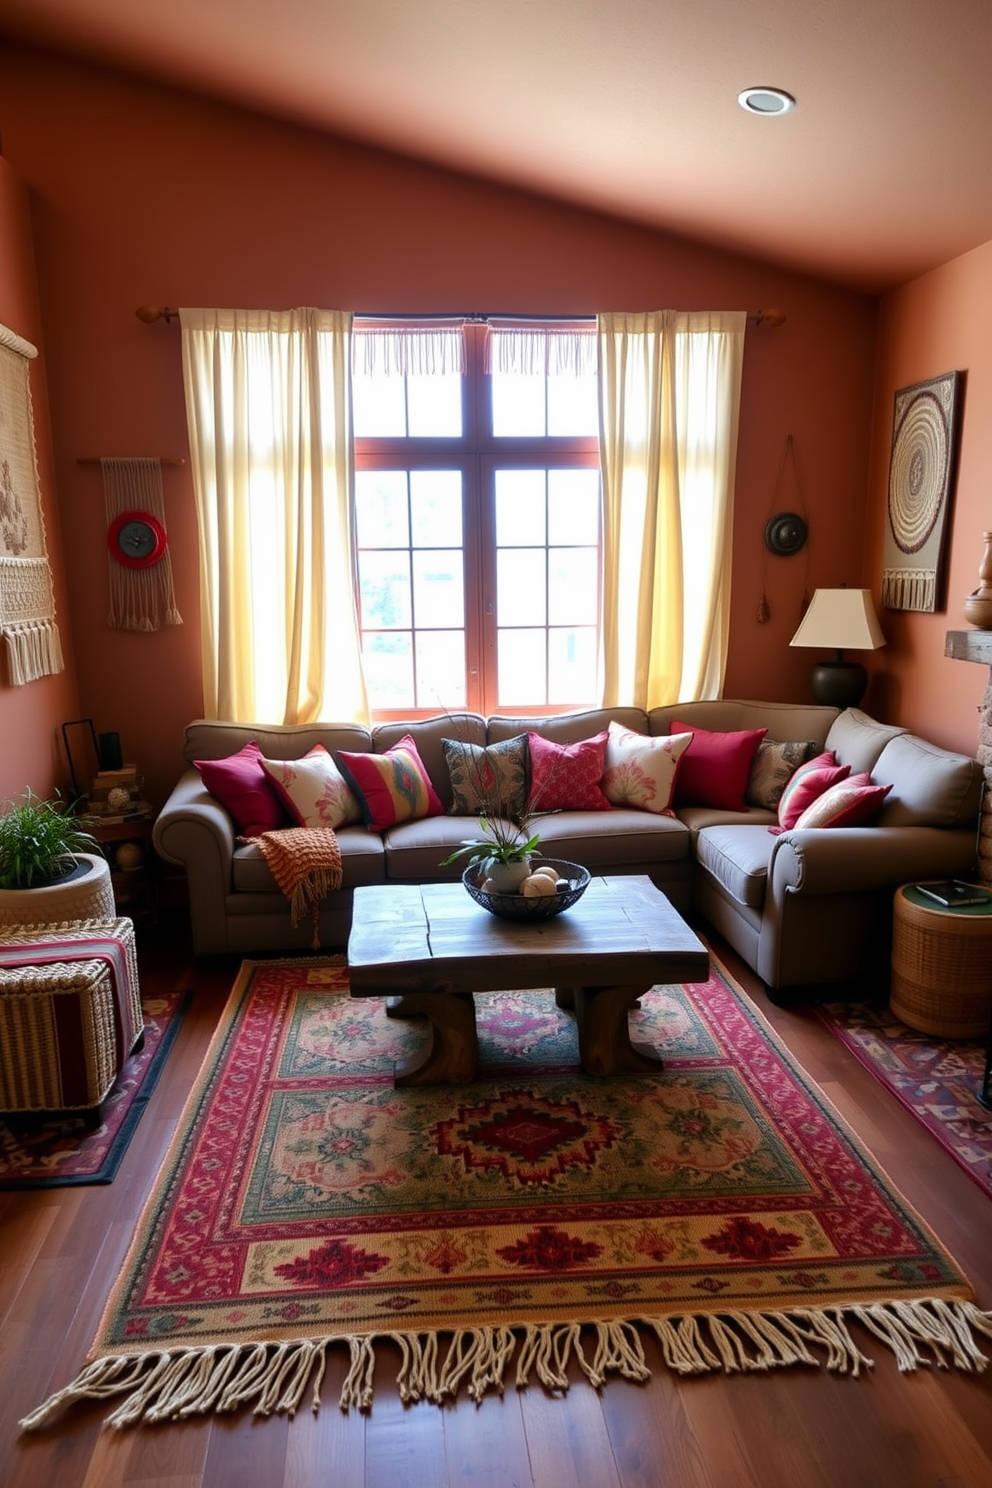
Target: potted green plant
(501,854)
(51,867)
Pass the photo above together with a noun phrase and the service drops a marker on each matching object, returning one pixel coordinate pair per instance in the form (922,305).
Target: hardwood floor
(60,1250)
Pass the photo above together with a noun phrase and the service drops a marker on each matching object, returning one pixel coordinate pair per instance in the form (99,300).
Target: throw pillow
(641,769)
(566,777)
(313,790)
(806,783)
(774,764)
(242,787)
(716,767)
(846,804)
(391,787)
(490,780)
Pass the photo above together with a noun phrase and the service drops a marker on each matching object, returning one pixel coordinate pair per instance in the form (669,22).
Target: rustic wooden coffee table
(428,948)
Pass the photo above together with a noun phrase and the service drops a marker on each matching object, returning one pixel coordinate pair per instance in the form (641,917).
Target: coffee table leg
(452,1057)
(398,1007)
(605,1048)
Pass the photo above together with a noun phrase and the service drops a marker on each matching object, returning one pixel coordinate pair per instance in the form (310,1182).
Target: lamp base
(838,684)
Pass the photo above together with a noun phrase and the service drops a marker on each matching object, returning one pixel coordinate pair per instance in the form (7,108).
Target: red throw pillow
(391,787)
(808,782)
(846,804)
(716,767)
(242,787)
(566,777)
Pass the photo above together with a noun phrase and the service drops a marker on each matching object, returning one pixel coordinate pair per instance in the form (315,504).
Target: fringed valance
(520,348)
(422,349)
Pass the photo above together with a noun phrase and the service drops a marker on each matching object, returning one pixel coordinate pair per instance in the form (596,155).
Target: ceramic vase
(978,605)
(506,878)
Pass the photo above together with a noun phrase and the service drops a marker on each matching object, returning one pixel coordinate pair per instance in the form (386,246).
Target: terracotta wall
(939,323)
(141,194)
(31,753)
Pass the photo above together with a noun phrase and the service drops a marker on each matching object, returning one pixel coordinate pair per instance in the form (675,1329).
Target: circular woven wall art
(918,472)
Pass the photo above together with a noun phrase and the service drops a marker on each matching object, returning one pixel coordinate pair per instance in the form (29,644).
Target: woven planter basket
(941,970)
(87,897)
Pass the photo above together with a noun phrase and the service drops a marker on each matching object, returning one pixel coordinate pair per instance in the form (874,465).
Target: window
(477,515)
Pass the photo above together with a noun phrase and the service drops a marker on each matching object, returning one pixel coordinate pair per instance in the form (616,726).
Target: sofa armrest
(195,831)
(851,860)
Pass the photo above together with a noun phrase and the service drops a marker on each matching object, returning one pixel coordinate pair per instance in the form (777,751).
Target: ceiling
(627,106)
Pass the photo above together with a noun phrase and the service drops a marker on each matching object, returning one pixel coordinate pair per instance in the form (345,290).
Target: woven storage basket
(941,969)
(59,1047)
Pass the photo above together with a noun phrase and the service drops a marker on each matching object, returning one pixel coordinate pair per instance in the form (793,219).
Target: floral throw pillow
(565,777)
(641,769)
(391,787)
(313,790)
(488,780)
(774,765)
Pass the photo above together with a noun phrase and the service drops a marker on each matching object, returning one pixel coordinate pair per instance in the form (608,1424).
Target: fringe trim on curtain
(33,650)
(418,350)
(570,349)
(170,1386)
(140,598)
(909,588)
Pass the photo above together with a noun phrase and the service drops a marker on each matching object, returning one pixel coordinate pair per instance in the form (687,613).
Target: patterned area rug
(499,1231)
(44,1152)
(935,1079)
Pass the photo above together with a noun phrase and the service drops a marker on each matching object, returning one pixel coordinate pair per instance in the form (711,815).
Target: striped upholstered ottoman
(70,1013)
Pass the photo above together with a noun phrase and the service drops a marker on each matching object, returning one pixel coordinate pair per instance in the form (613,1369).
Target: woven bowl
(573,880)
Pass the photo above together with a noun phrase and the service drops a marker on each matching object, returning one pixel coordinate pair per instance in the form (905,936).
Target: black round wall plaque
(785,533)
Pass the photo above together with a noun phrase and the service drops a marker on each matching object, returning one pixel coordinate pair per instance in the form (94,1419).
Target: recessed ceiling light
(766,101)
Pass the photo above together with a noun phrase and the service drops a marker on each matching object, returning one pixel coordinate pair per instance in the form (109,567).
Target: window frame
(478,453)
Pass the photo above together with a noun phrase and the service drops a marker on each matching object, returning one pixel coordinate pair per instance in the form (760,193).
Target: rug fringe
(271,1377)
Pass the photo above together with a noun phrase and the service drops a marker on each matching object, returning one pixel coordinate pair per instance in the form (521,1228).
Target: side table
(134,886)
(941,965)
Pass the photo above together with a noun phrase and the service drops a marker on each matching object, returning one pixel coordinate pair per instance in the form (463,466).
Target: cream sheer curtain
(268,405)
(669,404)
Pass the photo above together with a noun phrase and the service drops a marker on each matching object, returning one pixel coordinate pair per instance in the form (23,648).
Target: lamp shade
(840,620)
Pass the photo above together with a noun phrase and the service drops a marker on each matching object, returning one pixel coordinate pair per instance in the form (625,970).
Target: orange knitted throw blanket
(306,864)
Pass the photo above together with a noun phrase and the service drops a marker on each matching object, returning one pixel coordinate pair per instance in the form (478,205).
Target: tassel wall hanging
(785,532)
(141,590)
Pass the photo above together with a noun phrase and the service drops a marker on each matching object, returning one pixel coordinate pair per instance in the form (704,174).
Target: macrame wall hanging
(785,532)
(27,599)
(141,590)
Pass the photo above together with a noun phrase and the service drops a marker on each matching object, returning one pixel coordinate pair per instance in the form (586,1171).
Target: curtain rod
(98,459)
(150,313)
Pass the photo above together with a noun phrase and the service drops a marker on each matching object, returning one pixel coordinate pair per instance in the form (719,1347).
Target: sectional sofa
(802,907)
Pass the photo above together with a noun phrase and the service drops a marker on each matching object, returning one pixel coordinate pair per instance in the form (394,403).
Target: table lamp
(839,620)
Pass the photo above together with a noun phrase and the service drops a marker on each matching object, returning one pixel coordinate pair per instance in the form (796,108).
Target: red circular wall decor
(137,539)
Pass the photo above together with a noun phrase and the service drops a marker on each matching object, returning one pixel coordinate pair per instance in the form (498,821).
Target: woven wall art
(140,598)
(27,600)
(921,475)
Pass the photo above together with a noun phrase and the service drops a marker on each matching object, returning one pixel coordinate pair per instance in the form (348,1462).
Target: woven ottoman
(941,966)
(70,1013)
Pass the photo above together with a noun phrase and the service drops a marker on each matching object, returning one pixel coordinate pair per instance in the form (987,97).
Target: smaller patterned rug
(500,1231)
(937,1080)
(38,1151)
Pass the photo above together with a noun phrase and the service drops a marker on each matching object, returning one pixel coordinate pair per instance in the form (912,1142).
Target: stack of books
(115,796)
